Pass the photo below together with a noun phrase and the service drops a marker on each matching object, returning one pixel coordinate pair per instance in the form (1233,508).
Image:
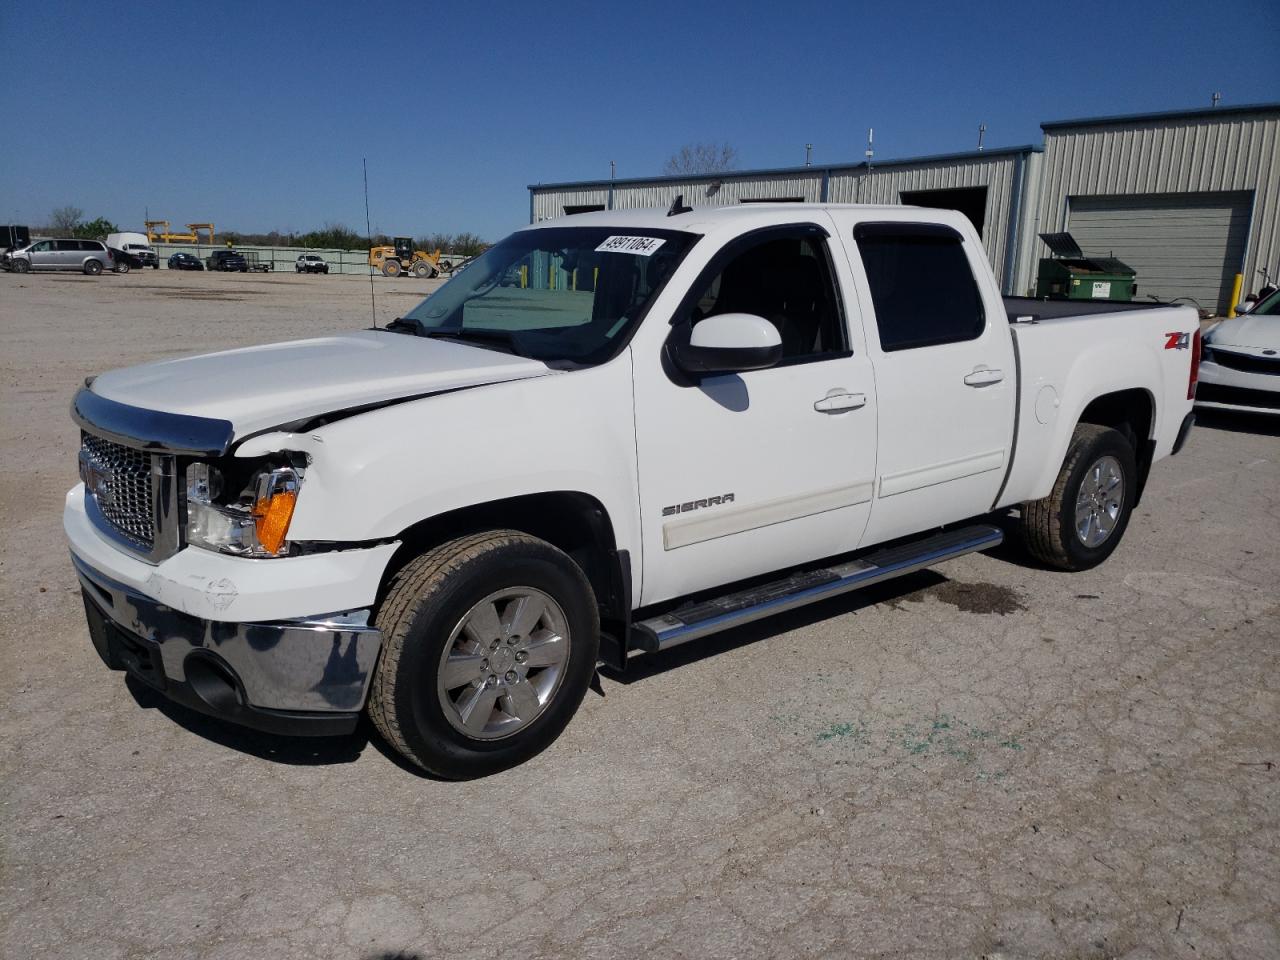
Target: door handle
(983,377)
(838,402)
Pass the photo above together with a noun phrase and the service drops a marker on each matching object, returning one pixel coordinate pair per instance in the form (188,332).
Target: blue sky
(256,115)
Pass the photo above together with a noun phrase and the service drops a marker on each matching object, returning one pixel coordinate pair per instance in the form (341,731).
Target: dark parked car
(232,260)
(126,261)
(185,261)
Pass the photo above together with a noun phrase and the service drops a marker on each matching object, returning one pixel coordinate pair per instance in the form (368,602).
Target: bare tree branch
(701,158)
(64,220)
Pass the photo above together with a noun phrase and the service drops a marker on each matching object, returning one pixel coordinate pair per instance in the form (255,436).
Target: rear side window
(65,245)
(922,286)
(91,245)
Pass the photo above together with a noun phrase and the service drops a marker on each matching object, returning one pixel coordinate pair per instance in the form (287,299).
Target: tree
(63,221)
(701,158)
(334,236)
(94,229)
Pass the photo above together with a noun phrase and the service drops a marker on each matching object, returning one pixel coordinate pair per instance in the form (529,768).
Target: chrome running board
(695,620)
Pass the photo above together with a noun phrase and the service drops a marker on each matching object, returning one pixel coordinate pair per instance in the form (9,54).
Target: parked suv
(228,260)
(89,256)
(310,263)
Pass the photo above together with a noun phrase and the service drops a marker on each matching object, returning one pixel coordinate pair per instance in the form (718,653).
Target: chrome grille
(118,478)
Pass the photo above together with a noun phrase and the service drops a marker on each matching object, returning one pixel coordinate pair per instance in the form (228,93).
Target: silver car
(86,256)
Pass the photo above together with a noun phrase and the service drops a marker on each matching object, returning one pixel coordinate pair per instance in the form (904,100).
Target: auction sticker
(640,246)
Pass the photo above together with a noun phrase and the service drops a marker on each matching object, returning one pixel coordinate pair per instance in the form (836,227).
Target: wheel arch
(574,522)
(1132,413)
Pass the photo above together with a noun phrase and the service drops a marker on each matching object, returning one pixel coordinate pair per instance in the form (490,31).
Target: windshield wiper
(403,324)
(500,339)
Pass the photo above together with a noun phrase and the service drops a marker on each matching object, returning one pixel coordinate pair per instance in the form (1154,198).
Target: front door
(743,474)
(41,255)
(944,368)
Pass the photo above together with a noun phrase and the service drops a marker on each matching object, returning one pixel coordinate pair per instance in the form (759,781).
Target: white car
(311,263)
(674,423)
(1240,368)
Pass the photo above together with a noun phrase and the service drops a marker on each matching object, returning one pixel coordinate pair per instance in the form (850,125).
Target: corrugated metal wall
(1170,155)
(884,184)
(548,205)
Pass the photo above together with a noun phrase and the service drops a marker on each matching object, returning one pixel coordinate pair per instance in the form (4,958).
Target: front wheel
(122,267)
(1081,522)
(490,643)
(21,266)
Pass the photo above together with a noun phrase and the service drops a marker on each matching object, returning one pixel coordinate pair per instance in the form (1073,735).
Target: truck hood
(257,388)
(1258,333)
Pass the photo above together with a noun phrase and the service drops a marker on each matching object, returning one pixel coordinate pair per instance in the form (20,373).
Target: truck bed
(1019,307)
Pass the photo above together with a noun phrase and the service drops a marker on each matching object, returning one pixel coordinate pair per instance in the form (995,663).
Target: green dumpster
(1070,275)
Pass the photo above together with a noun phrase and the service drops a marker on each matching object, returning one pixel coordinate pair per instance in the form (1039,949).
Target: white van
(136,244)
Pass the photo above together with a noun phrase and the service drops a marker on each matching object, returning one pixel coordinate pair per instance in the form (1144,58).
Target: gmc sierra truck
(668,424)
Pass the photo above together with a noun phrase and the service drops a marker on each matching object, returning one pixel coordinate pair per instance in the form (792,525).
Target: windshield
(1270,307)
(557,294)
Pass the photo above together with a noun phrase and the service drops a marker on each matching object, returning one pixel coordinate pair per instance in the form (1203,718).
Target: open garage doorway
(971,201)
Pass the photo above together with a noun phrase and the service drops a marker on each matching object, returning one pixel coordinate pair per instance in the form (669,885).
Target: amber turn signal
(271,516)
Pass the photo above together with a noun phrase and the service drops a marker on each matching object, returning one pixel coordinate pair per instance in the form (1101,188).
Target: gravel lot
(988,759)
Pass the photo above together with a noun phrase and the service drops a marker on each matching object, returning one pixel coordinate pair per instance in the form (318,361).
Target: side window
(921,285)
(92,245)
(66,245)
(786,280)
(44,246)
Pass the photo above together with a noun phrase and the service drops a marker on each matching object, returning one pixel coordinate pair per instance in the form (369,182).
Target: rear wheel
(490,643)
(391,268)
(93,267)
(1081,522)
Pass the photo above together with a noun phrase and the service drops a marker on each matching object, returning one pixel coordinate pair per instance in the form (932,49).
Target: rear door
(944,369)
(746,473)
(66,255)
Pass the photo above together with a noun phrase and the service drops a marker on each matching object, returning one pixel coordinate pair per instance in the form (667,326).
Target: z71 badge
(697,504)
(1177,341)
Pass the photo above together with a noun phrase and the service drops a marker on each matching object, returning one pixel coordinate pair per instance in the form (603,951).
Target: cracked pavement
(982,760)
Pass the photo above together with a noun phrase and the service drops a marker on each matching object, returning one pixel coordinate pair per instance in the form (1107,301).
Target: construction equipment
(398,258)
(158,232)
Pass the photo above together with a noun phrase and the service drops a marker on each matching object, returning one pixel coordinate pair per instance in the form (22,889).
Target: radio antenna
(373,305)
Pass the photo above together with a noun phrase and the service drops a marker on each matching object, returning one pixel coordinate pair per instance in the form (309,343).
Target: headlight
(250,522)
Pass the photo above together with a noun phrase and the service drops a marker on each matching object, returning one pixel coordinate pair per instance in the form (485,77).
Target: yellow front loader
(400,258)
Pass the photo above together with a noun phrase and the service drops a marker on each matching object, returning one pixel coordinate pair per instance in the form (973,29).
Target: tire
(325,271)
(431,613)
(21,266)
(1082,521)
(391,268)
(122,266)
(422,269)
(93,267)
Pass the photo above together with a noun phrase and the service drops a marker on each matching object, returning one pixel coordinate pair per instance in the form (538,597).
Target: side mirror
(728,343)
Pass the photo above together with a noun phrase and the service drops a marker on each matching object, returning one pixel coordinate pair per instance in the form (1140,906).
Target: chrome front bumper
(306,677)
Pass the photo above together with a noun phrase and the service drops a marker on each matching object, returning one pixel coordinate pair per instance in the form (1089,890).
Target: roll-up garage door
(1182,245)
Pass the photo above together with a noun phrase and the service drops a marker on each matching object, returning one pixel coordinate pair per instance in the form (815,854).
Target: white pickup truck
(612,433)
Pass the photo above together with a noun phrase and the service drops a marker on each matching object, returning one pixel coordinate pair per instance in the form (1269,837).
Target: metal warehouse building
(1187,198)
